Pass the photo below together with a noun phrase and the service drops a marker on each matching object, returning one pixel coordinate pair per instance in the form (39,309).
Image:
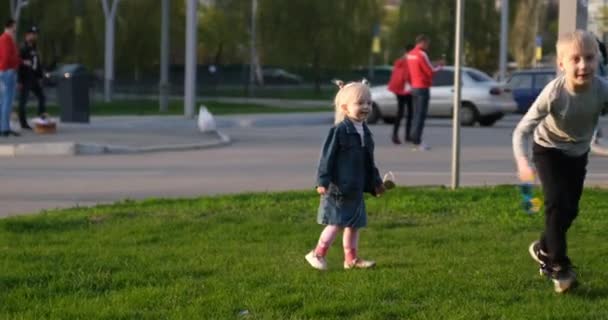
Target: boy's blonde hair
(579,38)
(352,91)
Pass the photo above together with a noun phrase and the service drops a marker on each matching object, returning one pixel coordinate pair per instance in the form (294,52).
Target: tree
(524,31)
(436,19)
(317,33)
(223,31)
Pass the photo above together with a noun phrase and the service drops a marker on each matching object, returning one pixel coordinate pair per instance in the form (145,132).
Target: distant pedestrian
(561,123)
(421,77)
(9,62)
(30,77)
(346,170)
(399,84)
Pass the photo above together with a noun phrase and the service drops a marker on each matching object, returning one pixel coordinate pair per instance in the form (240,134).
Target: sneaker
(396,140)
(563,279)
(541,257)
(316,261)
(359,264)
(421,147)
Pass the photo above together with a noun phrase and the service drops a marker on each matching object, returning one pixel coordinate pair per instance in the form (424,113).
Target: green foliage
(317,33)
(223,32)
(313,34)
(436,19)
(441,254)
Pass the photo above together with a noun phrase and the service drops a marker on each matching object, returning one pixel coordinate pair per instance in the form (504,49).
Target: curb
(74,148)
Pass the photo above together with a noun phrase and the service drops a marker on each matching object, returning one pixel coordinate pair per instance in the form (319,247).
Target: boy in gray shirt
(562,121)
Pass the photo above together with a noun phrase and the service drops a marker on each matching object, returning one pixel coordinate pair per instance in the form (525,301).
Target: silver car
(484,100)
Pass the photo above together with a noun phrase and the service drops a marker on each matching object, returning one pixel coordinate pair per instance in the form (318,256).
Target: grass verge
(441,255)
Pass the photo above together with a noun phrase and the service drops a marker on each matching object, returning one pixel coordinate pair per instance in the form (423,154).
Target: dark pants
(421,107)
(28,86)
(402,101)
(562,179)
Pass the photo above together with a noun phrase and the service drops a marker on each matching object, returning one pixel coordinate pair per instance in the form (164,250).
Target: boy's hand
(380,190)
(321,190)
(524,171)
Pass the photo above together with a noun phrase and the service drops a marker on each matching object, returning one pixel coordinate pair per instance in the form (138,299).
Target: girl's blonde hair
(578,38)
(352,91)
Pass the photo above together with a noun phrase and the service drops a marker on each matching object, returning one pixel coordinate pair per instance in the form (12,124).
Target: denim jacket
(345,163)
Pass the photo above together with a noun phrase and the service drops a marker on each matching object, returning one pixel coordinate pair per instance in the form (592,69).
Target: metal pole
(504,36)
(109,47)
(252,63)
(457,90)
(190,75)
(164,58)
(572,15)
(110,14)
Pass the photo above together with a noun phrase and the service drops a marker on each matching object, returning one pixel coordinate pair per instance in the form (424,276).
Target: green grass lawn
(441,255)
(150,107)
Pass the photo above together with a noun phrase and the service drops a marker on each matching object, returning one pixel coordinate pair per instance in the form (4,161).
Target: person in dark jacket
(30,77)
(346,170)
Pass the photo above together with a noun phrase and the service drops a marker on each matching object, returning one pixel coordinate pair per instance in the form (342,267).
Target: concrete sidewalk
(136,134)
(113,135)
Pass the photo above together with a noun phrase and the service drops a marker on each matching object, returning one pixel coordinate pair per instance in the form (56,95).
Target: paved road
(276,154)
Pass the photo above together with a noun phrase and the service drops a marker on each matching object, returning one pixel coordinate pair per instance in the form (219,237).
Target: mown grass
(441,255)
(151,107)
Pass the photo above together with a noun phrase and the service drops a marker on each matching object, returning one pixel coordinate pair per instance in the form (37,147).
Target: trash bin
(73,93)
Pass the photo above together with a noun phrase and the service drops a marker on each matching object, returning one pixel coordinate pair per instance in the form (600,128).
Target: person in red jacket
(421,78)
(9,63)
(399,84)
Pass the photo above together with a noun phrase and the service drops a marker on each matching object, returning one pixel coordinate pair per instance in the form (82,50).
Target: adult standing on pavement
(399,84)
(9,62)
(421,77)
(30,76)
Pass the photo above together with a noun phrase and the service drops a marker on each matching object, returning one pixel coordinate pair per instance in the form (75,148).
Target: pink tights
(350,242)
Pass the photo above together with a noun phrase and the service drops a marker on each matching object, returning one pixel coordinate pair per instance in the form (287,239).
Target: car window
(521,81)
(541,80)
(479,76)
(443,78)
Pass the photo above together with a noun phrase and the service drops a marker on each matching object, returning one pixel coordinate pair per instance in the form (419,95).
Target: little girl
(346,170)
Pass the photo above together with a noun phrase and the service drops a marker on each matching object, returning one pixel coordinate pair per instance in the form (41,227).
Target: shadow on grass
(590,293)
(394,265)
(44,225)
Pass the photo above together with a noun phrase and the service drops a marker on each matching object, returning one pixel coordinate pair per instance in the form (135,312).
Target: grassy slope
(441,255)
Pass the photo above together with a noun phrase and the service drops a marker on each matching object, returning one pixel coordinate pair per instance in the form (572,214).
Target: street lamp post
(504,36)
(190,75)
(164,59)
(457,90)
(110,15)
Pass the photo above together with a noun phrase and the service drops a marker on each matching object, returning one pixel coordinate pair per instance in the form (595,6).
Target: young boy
(562,121)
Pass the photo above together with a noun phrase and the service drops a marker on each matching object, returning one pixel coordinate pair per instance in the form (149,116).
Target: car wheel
(468,114)
(374,115)
(490,120)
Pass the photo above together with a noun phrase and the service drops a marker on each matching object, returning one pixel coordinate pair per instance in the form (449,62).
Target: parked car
(527,84)
(484,100)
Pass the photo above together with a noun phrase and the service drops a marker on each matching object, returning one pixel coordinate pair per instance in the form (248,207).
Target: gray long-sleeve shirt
(561,119)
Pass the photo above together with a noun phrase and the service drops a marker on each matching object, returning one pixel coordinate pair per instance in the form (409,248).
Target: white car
(484,100)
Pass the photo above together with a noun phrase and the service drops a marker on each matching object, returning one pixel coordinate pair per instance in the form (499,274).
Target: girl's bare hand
(321,190)
(524,171)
